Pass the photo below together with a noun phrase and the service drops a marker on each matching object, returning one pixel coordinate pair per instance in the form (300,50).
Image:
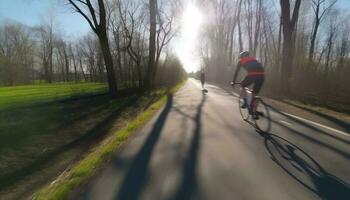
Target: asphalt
(198,147)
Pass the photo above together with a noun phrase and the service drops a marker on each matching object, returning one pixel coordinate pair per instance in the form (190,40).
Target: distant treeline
(304,46)
(43,53)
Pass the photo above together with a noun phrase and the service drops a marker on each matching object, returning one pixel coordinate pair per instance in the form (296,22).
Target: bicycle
(258,112)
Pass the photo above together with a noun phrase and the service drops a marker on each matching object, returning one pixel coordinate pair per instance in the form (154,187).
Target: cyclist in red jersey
(255,75)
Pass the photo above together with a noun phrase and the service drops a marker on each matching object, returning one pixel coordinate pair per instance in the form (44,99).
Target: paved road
(198,147)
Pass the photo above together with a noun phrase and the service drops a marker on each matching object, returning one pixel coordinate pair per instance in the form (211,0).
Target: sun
(187,42)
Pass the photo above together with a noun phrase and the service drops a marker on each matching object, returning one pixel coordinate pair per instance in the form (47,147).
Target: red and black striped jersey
(252,66)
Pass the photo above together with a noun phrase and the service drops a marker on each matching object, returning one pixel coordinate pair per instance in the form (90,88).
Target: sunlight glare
(187,42)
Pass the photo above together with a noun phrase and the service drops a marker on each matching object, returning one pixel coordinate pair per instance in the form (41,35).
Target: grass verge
(341,119)
(80,172)
(319,109)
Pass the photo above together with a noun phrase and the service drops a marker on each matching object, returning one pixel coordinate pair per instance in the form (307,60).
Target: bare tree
(239,26)
(16,56)
(47,45)
(165,34)
(319,15)
(152,43)
(98,23)
(72,56)
(288,25)
(131,26)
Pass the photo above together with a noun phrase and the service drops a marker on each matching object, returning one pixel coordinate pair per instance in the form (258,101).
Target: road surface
(198,147)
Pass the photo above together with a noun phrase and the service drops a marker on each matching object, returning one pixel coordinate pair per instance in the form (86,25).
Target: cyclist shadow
(304,169)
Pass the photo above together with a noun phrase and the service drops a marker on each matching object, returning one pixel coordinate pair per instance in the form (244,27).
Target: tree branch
(76,7)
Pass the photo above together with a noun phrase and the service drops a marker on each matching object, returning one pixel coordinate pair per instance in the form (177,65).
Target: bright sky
(34,12)
(187,41)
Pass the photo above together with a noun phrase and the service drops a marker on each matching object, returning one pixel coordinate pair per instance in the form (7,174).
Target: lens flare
(188,40)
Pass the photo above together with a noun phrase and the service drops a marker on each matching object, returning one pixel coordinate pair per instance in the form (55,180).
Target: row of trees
(143,40)
(304,45)
(127,47)
(30,54)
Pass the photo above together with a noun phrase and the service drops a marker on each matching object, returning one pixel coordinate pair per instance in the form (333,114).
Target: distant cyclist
(255,76)
(202,78)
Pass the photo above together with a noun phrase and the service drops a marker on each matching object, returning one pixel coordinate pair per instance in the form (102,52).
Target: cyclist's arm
(236,72)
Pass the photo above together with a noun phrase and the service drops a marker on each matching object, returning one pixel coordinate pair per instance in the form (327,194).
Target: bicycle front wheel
(263,121)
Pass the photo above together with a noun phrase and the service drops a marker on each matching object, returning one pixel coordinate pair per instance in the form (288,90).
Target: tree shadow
(309,126)
(38,122)
(314,140)
(188,185)
(82,144)
(136,176)
(304,169)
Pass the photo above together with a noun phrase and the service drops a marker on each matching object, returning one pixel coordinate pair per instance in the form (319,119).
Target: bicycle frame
(259,110)
(249,94)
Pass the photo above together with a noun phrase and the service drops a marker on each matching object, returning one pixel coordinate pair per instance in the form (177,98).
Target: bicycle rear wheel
(263,123)
(244,111)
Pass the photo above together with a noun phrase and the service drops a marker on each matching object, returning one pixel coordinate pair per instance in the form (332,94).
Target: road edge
(85,168)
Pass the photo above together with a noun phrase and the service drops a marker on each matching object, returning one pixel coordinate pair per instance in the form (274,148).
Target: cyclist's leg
(243,93)
(258,83)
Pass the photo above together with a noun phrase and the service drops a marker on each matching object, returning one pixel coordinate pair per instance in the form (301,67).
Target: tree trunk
(119,59)
(82,69)
(314,33)
(74,65)
(66,62)
(288,25)
(257,26)
(50,77)
(108,62)
(278,60)
(239,27)
(287,62)
(152,44)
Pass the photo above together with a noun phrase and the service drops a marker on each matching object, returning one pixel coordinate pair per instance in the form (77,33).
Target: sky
(35,12)
(185,44)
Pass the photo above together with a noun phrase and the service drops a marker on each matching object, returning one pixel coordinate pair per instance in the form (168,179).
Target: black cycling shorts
(257,82)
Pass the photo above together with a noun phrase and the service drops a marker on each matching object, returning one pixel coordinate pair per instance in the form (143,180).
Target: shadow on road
(301,166)
(136,176)
(304,169)
(309,126)
(188,185)
(314,140)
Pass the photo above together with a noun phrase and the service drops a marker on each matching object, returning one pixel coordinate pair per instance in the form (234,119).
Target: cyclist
(254,77)
(202,79)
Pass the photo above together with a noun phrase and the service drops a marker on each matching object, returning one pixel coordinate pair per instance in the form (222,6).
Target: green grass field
(84,169)
(44,128)
(29,94)
(39,122)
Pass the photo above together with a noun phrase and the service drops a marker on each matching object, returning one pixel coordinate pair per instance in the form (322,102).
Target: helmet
(244,54)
